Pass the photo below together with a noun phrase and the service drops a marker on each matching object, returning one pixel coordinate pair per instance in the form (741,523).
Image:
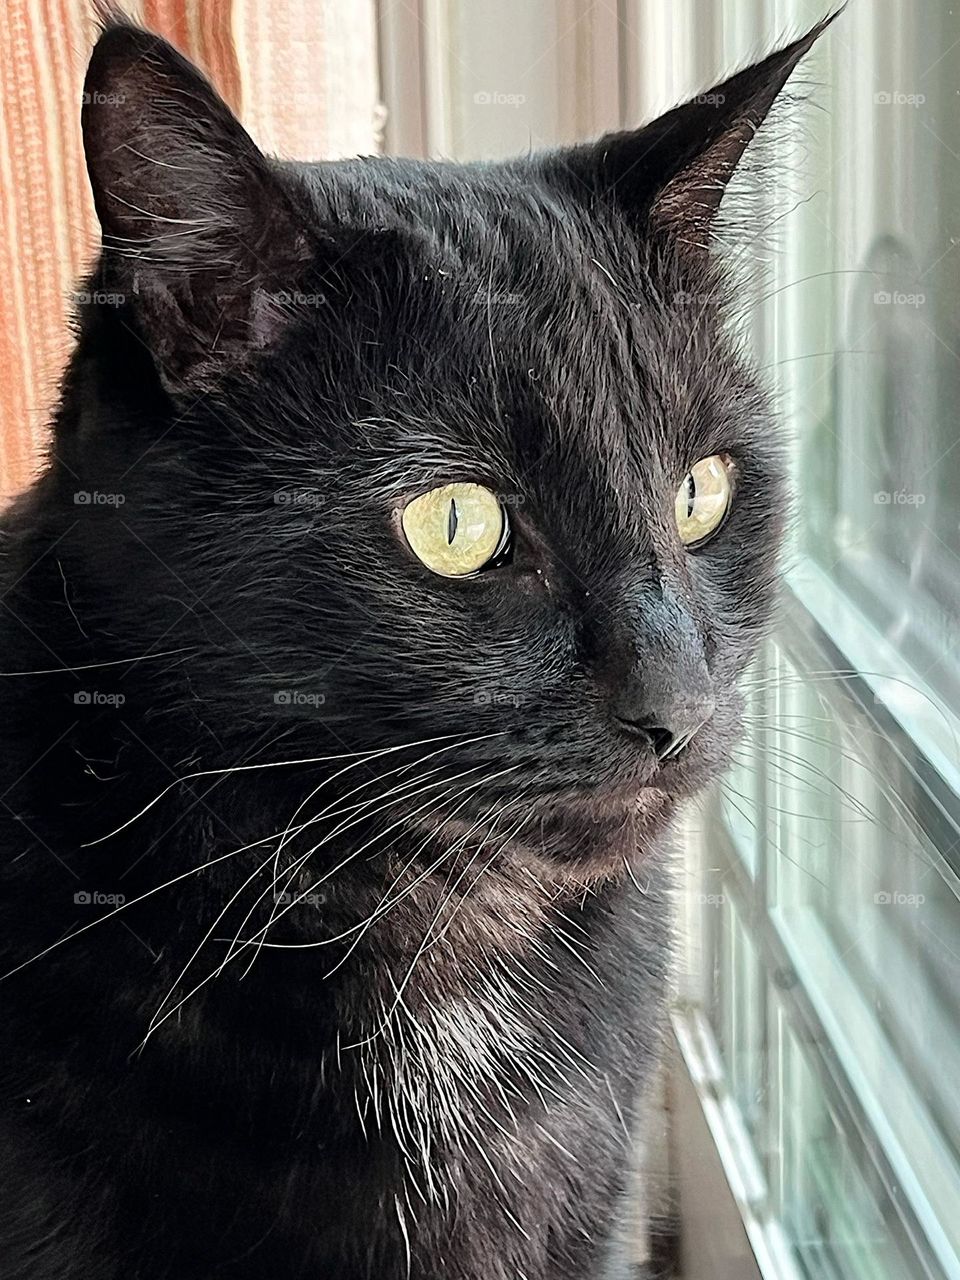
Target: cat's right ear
(198,234)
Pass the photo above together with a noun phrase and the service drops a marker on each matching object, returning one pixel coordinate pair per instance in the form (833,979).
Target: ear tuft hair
(109,13)
(669,177)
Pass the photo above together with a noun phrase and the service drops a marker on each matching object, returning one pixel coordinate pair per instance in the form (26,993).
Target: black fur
(277,356)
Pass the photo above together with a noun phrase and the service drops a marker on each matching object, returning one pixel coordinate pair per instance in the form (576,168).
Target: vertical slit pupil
(452,522)
(691,494)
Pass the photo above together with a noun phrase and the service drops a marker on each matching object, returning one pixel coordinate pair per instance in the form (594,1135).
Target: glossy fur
(429,1069)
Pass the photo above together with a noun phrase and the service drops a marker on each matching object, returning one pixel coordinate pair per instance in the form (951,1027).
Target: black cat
(404,531)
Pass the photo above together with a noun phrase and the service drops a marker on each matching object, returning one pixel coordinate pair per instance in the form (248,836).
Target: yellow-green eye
(703,499)
(456,529)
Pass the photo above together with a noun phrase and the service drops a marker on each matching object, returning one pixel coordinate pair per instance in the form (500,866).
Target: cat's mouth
(617,784)
(582,801)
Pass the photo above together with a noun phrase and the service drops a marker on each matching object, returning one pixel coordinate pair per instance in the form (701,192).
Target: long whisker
(885,785)
(234,898)
(409,787)
(437,915)
(800,762)
(511,835)
(751,683)
(273,764)
(94,666)
(781,853)
(386,904)
(125,906)
(289,907)
(399,823)
(457,744)
(200,945)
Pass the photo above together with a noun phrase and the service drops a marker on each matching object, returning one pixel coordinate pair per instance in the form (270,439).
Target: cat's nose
(654,671)
(670,728)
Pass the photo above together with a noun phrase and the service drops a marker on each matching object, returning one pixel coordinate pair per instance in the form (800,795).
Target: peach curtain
(300,74)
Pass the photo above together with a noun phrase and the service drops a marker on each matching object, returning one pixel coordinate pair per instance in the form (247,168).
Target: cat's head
(399,452)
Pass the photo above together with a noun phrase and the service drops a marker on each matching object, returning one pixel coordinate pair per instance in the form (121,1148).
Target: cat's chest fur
(470,1126)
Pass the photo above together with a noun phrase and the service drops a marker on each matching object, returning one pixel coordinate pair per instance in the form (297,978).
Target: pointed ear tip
(121,42)
(124,64)
(113,23)
(108,13)
(782,62)
(816,31)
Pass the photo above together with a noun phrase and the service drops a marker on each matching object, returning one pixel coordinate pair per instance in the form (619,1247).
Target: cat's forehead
(544,318)
(475,216)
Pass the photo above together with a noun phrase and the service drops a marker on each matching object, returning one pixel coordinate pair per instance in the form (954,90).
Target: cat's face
(420,438)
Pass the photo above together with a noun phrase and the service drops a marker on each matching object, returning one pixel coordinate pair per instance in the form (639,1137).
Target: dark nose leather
(659,687)
(670,729)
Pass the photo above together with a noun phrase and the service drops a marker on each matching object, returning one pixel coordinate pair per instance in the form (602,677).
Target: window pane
(876,327)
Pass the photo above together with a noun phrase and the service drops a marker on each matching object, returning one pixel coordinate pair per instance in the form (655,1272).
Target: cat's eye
(456,530)
(703,499)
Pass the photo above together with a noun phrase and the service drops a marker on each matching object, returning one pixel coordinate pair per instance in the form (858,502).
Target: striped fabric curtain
(300,74)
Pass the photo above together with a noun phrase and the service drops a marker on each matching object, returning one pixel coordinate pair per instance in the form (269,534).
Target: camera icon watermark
(97,98)
(506,299)
(899,498)
(98,298)
(94,498)
(308,498)
(898,298)
(498,698)
(494,98)
(897,98)
(684,298)
(298,698)
(893,898)
(286,898)
(293,298)
(95,698)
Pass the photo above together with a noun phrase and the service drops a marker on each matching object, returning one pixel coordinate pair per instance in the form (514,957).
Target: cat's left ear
(198,233)
(670,176)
